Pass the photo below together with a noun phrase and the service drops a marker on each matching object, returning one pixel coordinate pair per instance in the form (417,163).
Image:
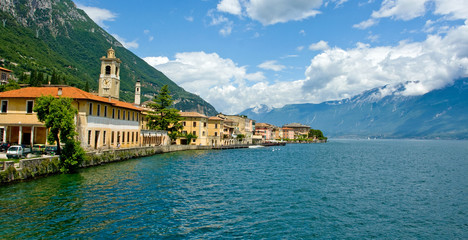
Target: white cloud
(319,46)
(128,45)
(270,12)
(366,24)
(230,6)
(154,61)
(217,19)
(431,64)
(401,9)
(455,9)
(98,15)
(333,74)
(272,65)
(409,9)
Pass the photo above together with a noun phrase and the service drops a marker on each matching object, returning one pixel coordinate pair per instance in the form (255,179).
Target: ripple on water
(342,189)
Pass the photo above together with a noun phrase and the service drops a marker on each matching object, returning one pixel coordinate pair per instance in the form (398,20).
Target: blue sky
(238,54)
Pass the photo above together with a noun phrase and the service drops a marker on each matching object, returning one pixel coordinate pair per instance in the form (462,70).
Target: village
(104,122)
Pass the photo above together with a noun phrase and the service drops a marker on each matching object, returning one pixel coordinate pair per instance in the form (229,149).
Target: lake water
(342,189)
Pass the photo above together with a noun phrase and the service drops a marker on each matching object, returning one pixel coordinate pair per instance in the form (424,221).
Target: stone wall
(32,168)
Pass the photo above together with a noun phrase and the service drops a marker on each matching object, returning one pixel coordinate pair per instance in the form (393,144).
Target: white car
(17,151)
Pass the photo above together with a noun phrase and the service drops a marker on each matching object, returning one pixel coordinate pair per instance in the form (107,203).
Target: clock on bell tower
(109,79)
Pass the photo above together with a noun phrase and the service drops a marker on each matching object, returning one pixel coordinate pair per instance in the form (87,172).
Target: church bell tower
(109,79)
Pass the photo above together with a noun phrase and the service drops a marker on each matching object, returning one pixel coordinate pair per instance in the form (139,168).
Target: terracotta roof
(192,114)
(215,118)
(295,125)
(71,92)
(5,70)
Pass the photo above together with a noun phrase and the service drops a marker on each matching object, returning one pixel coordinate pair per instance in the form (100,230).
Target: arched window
(108,70)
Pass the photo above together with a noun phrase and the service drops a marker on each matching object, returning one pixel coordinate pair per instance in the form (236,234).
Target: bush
(71,157)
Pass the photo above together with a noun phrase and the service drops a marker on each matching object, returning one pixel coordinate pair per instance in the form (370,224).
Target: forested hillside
(47,37)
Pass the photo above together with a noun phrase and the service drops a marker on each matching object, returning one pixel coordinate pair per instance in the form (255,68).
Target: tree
(163,117)
(58,115)
(189,137)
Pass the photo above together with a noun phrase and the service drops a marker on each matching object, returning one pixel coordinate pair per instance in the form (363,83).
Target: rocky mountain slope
(54,35)
(441,113)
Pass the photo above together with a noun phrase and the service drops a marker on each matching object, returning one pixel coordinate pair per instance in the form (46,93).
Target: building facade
(4,76)
(196,124)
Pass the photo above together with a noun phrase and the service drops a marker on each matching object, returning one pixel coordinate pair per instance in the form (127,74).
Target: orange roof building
(101,122)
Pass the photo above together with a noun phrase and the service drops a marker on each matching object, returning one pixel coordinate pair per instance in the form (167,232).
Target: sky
(238,54)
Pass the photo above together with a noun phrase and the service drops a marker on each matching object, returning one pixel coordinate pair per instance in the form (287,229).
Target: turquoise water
(342,189)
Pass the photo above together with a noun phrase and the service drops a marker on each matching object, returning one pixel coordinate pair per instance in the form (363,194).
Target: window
(203,133)
(104,138)
(113,112)
(133,116)
(108,70)
(89,137)
(4,76)
(29,106)
(98,113)
(136,136)
(118,137)
(184,132)
(133,137)
(194,133)
(216,126)
(4,106)
(194,140)
(112,138)
(194,124)
(128,136)
(184,124)
(216,134)
(90,109)
(204,124)
(118,114)
(105,111)
(128,116)
(123,137)
(123,115)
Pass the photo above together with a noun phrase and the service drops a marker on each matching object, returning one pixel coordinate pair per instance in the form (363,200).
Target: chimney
(59,91)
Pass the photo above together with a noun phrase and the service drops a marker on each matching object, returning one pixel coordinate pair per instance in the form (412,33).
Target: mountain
(382,113)
(54,36)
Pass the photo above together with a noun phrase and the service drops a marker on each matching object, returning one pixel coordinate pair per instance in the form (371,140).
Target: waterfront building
(243,125)
(265,130)
(102,121)
(196,124)
(299,129)
(4,75)
(215,131)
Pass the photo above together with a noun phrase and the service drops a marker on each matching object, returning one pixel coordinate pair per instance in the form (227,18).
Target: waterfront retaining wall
(43,166)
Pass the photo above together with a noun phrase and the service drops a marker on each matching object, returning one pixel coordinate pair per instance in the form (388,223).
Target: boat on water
(256,146)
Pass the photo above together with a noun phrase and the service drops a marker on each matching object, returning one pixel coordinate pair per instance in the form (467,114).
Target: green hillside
(47,36)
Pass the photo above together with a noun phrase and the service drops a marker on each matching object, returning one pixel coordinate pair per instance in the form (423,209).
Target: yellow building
(196,124)
(215,131)
(101,122)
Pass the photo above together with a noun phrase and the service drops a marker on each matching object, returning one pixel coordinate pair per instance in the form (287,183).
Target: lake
(397,189)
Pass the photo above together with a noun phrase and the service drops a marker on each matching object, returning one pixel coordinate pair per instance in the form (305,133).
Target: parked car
(17,151)
(4,146)
(51,150)
(39,149)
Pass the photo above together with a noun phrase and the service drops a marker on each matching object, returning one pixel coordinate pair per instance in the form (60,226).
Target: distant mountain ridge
(381,113)
(49,35)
